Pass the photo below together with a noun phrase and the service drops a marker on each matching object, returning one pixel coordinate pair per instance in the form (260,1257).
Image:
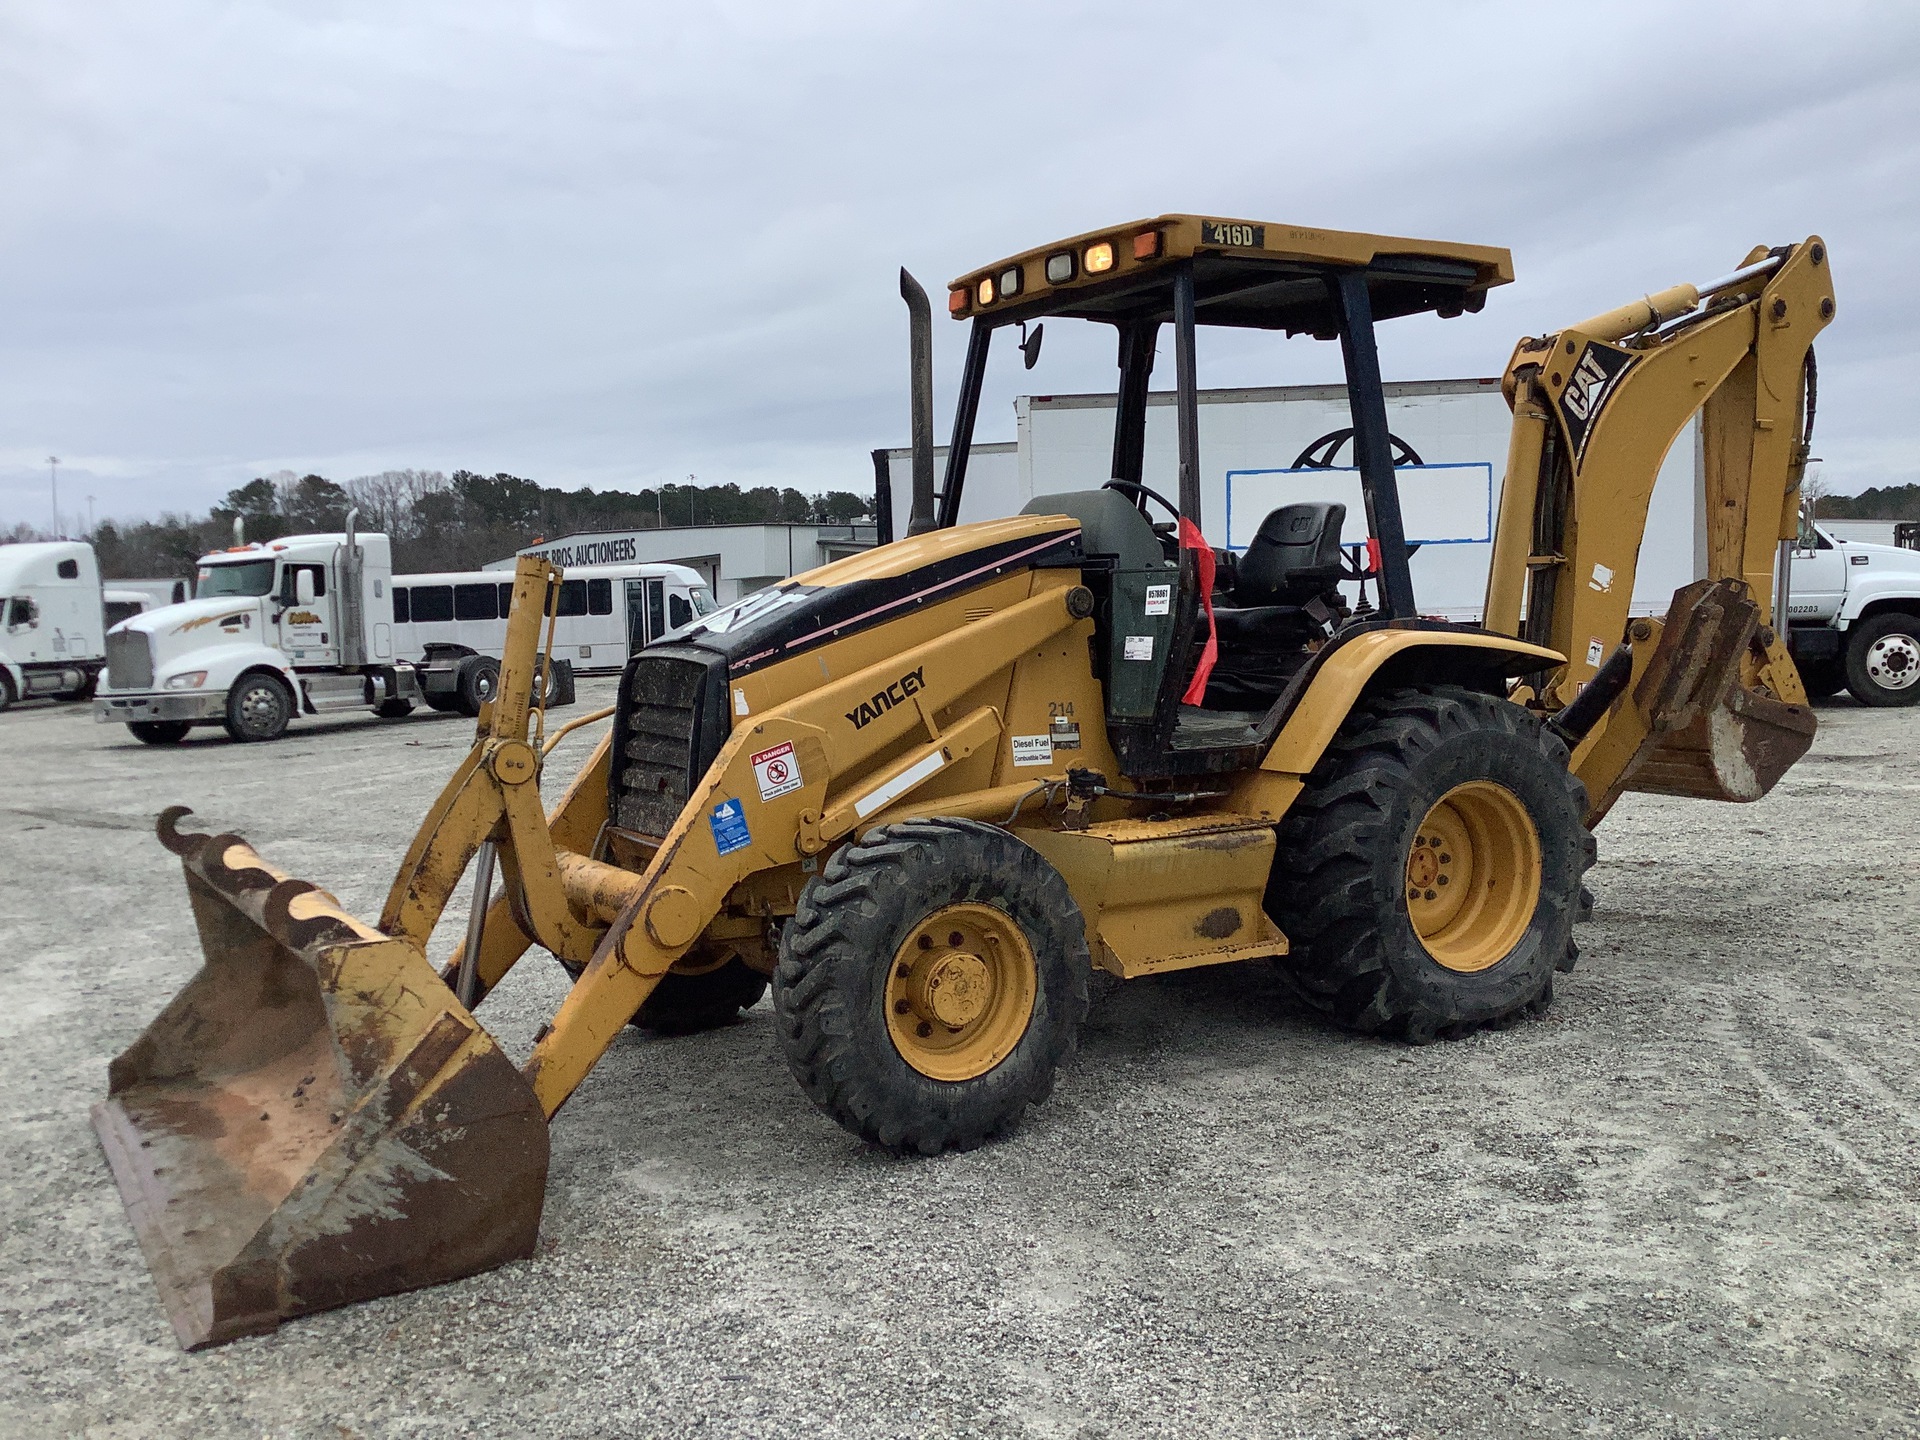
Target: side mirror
(303,587)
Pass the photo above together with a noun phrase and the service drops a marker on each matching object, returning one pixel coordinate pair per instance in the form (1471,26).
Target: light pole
(89,517)
(690,496)
(53,483)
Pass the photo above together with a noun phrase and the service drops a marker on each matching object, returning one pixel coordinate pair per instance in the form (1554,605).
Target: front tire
(7,697)
(1883,660)
(1430,876)
(259,707)
(398,708)
(932,980)
(158,732)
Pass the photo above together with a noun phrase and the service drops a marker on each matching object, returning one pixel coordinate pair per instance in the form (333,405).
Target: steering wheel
(1127,487)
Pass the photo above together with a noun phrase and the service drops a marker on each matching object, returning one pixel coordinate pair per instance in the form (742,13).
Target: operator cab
(1202,652)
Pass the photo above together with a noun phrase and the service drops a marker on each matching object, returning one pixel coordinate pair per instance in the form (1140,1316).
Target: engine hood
(869,589)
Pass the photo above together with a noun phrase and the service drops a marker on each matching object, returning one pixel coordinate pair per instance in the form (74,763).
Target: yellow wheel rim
(960,993)
(1473,876)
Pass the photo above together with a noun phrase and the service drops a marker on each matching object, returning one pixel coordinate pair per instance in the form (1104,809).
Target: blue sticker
(729,822)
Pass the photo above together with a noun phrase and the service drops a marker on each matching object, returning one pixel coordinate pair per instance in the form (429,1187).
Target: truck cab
(299,625)
(51,622)
(1854,613)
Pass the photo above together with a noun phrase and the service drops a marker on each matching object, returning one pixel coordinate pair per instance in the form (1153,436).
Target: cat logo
(1598,371)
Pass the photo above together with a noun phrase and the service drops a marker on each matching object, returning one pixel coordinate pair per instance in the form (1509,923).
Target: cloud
(612,244)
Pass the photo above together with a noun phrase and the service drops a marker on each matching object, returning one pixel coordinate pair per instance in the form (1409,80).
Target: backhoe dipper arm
(1596,409)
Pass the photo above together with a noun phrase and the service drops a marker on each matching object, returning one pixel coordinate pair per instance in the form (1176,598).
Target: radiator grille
(129,660)
(655,765)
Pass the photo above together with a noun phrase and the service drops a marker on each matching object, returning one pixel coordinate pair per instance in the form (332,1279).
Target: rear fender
(1386,659)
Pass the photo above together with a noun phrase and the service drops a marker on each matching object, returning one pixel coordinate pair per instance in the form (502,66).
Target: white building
(734,560)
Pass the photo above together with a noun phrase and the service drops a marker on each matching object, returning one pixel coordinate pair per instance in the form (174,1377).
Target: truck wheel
(1883,660)
(479,682)
(397,708)
(258,708)
(931,981)
(7,696)
(1429,877)
(444,703)
(159,732)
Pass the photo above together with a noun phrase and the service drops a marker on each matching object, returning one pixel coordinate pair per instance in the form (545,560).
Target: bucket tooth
(314,1119)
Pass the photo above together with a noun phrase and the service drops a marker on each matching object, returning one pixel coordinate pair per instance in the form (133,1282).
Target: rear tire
(259,707)
(932,980)
(1427,795)
(1883,660)
(397,708)
(159,732)
(7,697)
(479,683)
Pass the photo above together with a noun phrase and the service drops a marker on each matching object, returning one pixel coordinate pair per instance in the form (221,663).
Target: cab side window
(679,610)
(287,582)
(69,569)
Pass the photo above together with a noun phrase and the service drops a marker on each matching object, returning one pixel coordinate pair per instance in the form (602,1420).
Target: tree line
(444,522)
(1878,502)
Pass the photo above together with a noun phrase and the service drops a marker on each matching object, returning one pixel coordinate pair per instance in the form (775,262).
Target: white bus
(606,611)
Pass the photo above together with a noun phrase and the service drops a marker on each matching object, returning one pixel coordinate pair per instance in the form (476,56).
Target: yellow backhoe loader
(925,791)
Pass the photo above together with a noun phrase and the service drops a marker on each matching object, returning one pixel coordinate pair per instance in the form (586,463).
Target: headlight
(192,680)
(1099,258)
(1060,268)
(1010,283)
(984,291)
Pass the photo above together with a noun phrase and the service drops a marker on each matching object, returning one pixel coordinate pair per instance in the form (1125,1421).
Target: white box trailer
(1253,443)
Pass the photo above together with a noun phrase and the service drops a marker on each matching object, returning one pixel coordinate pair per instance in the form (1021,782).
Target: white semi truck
(1854,607)
(296,626)
(54,616)
(311,624)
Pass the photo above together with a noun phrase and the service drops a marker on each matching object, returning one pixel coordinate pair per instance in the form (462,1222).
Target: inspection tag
(729,824)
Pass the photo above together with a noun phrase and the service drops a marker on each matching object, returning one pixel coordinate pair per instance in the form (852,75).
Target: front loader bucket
(314,1119)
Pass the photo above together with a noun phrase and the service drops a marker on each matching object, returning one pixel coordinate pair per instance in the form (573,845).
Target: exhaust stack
(920,379)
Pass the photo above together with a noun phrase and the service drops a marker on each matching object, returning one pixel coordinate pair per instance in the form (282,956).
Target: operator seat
(1285,591)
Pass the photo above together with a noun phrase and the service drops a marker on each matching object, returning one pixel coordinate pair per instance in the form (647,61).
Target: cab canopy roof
(1246,273)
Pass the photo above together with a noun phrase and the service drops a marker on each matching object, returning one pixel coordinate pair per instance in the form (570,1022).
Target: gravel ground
(1683,1204)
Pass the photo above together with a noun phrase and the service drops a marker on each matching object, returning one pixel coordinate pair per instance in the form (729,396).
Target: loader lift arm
(1704,702)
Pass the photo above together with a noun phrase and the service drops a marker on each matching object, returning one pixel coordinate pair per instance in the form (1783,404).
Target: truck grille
(657,751)
(129,660)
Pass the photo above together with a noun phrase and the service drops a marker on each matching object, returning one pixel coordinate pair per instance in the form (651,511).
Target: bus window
(679,611)
(573,597)
(599,597)
(506,600)
(476,602)
(400,613)
(432,602)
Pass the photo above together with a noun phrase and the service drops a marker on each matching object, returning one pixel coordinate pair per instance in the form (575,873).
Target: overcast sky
(615,244)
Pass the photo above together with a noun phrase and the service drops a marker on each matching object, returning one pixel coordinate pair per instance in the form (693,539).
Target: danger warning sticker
(777,770)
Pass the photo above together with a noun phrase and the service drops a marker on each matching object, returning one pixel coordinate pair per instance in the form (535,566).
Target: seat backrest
(1110,524)
(1294,556)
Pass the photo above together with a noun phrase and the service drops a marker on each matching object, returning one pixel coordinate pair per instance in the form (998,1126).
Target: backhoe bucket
(1707,733)
(314,1119)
